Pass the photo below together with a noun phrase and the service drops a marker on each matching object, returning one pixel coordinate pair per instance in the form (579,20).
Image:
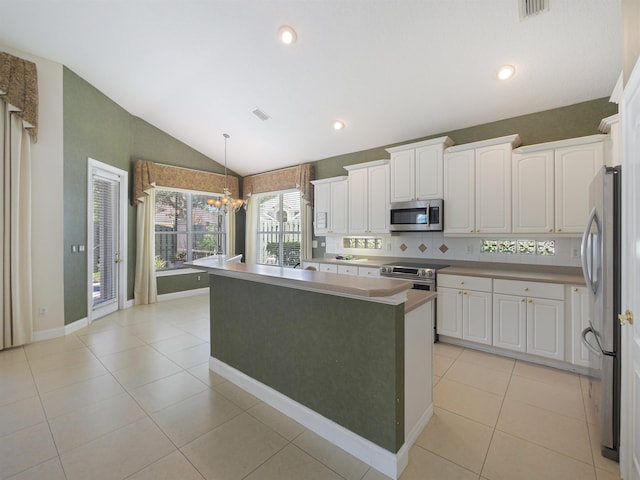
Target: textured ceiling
(392,70)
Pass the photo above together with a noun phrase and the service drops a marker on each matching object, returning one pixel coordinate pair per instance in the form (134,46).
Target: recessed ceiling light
(506,72)
(338,125)
(287,35)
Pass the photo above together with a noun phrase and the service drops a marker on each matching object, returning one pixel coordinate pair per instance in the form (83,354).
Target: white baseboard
(41,335)
(368,452)
(184,293)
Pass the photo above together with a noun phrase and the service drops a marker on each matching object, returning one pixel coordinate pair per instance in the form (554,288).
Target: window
(187,228)
(279,229)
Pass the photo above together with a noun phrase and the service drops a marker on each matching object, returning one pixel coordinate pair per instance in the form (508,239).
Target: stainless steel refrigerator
(601,268)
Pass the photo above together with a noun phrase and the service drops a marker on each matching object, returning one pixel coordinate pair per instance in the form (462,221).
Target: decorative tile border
(522,247)
(358,242)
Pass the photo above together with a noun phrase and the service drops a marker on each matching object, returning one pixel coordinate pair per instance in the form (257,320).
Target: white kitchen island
(348,358)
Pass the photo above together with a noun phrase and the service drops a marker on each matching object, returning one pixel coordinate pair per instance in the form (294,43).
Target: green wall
(96,127)
(576,120)
(181,283)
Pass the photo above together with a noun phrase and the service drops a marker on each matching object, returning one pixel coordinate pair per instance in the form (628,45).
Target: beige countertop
(416,298)
(508,271)
(366,287)
(565,275)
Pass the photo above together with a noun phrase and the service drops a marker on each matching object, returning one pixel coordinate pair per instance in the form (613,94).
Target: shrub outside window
(186,228)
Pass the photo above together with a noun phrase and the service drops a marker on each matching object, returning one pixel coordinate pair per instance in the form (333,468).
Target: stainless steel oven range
(423,276)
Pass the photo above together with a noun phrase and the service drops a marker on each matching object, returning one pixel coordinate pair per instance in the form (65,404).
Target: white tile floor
(132,397)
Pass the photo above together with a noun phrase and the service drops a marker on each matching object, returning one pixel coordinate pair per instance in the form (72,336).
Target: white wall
(47,195)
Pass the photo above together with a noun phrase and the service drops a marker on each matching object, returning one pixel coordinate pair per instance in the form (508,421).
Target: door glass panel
(105,235)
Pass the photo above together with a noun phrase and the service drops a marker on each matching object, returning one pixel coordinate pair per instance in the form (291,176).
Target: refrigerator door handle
(596,351)
(588,249)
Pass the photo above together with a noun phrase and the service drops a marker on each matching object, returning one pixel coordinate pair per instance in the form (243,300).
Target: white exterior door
(106,239)
(630,403)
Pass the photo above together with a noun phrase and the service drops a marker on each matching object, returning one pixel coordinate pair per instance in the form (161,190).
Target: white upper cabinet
(368,205)
(575,168)
(330,205)
(551,184)
(533,192)
(459,192)
(477,186)
(417,170)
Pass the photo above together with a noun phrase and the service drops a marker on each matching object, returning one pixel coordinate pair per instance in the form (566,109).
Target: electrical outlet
(575,252)
(198,277)
(74,248)
(469,248)
(314,243)
(42,311)
(81,248)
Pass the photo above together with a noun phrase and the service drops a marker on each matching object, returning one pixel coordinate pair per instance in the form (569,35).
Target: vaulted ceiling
(391,70)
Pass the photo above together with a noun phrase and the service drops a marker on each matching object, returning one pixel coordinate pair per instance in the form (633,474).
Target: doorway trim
(92,166)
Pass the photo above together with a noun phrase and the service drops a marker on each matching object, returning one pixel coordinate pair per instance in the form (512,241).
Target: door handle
(590,267)
(596,351)
(626,317)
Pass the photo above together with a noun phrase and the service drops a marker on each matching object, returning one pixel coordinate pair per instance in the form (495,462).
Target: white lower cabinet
(329,267)
(464,307)
(369,272)
(348,269)
(529,317)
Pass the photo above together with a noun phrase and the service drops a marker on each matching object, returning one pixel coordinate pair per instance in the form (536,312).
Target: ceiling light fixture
(287,35)
(338,125)
(506,72)
(226,202)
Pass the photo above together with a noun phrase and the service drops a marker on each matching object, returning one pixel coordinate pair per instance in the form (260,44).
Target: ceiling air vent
(529,8)
(260,114)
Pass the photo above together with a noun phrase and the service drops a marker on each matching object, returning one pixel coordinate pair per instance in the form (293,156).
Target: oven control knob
(430,273)
(422,273)
(384,270)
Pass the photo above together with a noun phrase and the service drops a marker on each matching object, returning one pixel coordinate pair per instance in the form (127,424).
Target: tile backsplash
(435,246)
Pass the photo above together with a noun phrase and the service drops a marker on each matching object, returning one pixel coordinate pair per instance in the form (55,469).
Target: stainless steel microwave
(417,216)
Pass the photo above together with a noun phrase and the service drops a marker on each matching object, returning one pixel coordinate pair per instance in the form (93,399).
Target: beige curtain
(298,177)
(230,249)
(145,289)
(15,237)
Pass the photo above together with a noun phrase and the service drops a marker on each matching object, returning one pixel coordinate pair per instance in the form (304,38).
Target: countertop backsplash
(435,246)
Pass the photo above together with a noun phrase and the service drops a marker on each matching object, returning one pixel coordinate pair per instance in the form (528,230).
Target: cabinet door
(338,207)
(510,322)
(476,316)
(450,312)
(545,327)
(378,199)
(493,189)
(321,208)
(459,192)
(403,176)
(358,201)
(579,321)
(575,168)
(533,192)
(429,174)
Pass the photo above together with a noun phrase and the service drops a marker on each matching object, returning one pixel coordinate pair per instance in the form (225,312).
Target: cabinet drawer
(348,269)
(328,267)
(369,271)
(553,291)
(481,284)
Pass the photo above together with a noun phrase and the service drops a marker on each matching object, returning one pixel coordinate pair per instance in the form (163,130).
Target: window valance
(298,177)
(148,174)
(19,87)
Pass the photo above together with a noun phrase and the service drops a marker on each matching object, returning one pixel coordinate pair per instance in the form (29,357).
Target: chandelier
(226,202)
